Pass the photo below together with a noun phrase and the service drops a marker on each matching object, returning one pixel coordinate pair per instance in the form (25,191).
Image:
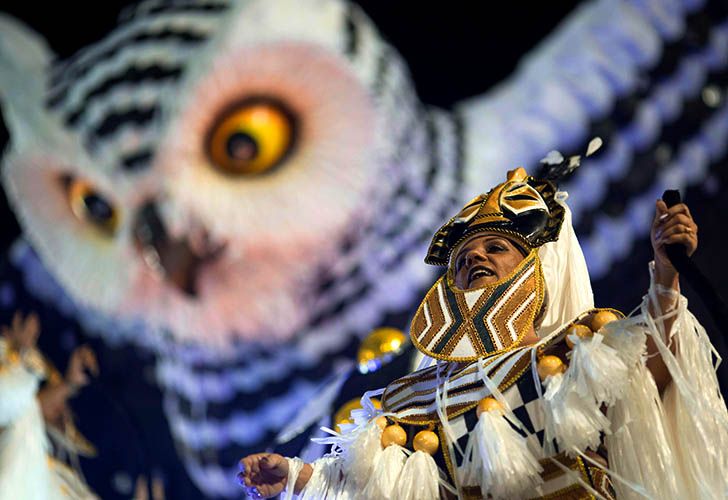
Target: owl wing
(648,77)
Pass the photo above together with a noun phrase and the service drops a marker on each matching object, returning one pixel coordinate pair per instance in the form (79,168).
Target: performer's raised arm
(671,226)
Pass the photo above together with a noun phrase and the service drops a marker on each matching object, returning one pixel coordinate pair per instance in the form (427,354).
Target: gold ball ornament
(602,318)
(426,441)
(343,414)
(382,422)
(581,331)
(379,347)
(393,434)
(488,404)
(345,421)
(549,366)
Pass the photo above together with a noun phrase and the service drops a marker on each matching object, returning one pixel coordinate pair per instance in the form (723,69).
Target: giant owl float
(248,188)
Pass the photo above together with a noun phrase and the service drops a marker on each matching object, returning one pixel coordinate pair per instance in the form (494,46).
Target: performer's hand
(672,225)
(82,359)
(23,333)
(263,475)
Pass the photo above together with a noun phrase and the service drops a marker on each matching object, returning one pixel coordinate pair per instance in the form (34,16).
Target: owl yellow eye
(252,139)
(88,205)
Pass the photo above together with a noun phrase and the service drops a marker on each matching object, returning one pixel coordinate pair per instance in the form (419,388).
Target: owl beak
(176,260)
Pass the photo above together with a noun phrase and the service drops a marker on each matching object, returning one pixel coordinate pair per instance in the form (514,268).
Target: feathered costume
(487,416)
(27,470)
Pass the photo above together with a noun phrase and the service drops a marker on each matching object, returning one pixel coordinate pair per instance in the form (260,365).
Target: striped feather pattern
(110,93)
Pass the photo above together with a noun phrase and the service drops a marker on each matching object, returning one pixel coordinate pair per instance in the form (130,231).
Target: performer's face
(483,259)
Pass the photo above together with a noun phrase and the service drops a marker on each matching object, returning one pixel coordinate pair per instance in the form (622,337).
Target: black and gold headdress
(522,208)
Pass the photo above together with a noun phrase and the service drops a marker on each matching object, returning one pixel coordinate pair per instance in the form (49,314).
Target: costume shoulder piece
(505,419)
(412,398)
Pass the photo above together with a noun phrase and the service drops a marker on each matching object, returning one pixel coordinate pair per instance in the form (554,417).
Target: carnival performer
(27,412)
(526,389)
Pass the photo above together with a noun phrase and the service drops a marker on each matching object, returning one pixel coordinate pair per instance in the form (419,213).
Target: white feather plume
(499,459)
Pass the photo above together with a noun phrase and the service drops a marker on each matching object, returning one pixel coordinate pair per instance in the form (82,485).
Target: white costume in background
(27,470)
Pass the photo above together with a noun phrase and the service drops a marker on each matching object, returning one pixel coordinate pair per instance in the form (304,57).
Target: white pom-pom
(419,479)
(627,339)
(500,462)
(574,421)
(361,454)
(386,472)
(596,371)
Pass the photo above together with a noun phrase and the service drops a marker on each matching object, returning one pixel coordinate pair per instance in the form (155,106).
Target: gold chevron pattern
(457,325)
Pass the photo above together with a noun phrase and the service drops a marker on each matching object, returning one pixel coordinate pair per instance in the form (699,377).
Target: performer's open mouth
(177,260)
(479,272)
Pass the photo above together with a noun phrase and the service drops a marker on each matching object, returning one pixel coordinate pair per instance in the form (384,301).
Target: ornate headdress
(523,208)
(463,325)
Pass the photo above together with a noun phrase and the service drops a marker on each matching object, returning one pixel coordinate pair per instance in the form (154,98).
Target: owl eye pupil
(241,146)
(89,206)
(97,207)
(251,138)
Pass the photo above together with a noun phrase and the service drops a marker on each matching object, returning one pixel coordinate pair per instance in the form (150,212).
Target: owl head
(205,168)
